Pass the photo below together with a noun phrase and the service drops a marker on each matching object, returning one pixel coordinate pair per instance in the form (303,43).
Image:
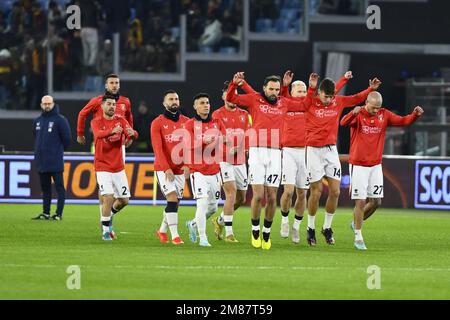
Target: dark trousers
(46,185)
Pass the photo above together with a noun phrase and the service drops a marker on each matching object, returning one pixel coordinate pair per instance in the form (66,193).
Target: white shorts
(323,161)
(113,183)
(293,170)
(366,182)
(204,186)
(237,173)
(264,166)
(168,187)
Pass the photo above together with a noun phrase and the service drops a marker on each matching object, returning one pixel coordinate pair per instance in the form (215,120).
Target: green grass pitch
(411,248)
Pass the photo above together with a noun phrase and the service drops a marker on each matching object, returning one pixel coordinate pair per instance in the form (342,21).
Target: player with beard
(110,131)
(322,158)
(94,108)
(294,173)
(165,135)
(267,110)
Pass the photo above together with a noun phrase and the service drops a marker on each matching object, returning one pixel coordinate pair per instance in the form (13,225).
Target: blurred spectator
(89,32)
(340,7)
(6,77)
(62,67)
(142,120)
(212,33)
(214,25)
(105,59)
(34,59)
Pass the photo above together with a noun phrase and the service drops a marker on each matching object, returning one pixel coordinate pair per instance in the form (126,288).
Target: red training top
(94,106)
(236,124)
(294,131)
(108,146)
(367,134)
(204,158)
(267,118)
(165,134)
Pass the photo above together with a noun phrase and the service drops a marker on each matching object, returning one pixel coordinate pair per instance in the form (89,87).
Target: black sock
(114,211)
(285,214)
(255,222)
(106,223)
(298,217)
(267,224)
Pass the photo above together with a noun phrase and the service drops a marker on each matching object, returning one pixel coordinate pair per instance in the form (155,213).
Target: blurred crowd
(149,42)
(285,16)
(214,25)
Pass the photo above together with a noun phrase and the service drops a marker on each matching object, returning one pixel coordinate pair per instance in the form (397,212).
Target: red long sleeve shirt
(294,126)
(267,118)
(236,124)
(166,134)
(108,146)
(322,121)
(203,157)
(367,134)
(94,107)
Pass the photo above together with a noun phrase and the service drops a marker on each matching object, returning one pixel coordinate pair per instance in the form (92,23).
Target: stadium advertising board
(432,184)
(19,181)
(408,183)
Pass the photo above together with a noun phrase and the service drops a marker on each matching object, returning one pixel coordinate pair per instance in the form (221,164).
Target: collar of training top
(203,120)
(172,116)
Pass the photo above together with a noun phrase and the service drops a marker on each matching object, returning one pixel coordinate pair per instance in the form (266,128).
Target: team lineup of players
(291,140)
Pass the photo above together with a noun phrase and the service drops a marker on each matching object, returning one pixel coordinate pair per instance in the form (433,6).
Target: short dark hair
(108,96)
(327,86)
(199,96)
(226,84)
(168,92)
(111,75)
(272,78)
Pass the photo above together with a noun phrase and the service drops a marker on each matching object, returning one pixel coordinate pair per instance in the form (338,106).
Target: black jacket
(52,136)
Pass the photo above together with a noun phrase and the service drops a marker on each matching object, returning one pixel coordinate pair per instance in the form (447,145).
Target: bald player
(368,126)
(294,174)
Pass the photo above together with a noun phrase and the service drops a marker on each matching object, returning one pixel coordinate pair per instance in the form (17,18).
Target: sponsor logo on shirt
(122,106)
(293,114)
(325,113)
(173,137)
(371,130)
(269,110)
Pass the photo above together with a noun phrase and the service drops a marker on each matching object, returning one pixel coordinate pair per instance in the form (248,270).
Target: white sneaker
(295,234)
(284,232)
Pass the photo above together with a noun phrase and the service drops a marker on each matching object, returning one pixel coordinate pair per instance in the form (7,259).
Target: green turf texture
(412,249)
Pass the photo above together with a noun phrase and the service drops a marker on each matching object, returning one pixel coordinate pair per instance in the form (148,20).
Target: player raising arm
(322,159)
(368,126)
(293,142)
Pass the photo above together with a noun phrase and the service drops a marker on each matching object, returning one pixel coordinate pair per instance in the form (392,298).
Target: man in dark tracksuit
(52,136)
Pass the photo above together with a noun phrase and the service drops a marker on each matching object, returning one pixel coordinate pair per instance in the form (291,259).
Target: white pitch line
(222,267)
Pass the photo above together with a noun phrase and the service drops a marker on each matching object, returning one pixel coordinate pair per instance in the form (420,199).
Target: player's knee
(212,208)
(335,193)
(272,198)
(315,193)
(123,202)
(230,196)
(288,193)
(258,197)
(301,193)
(376,203)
